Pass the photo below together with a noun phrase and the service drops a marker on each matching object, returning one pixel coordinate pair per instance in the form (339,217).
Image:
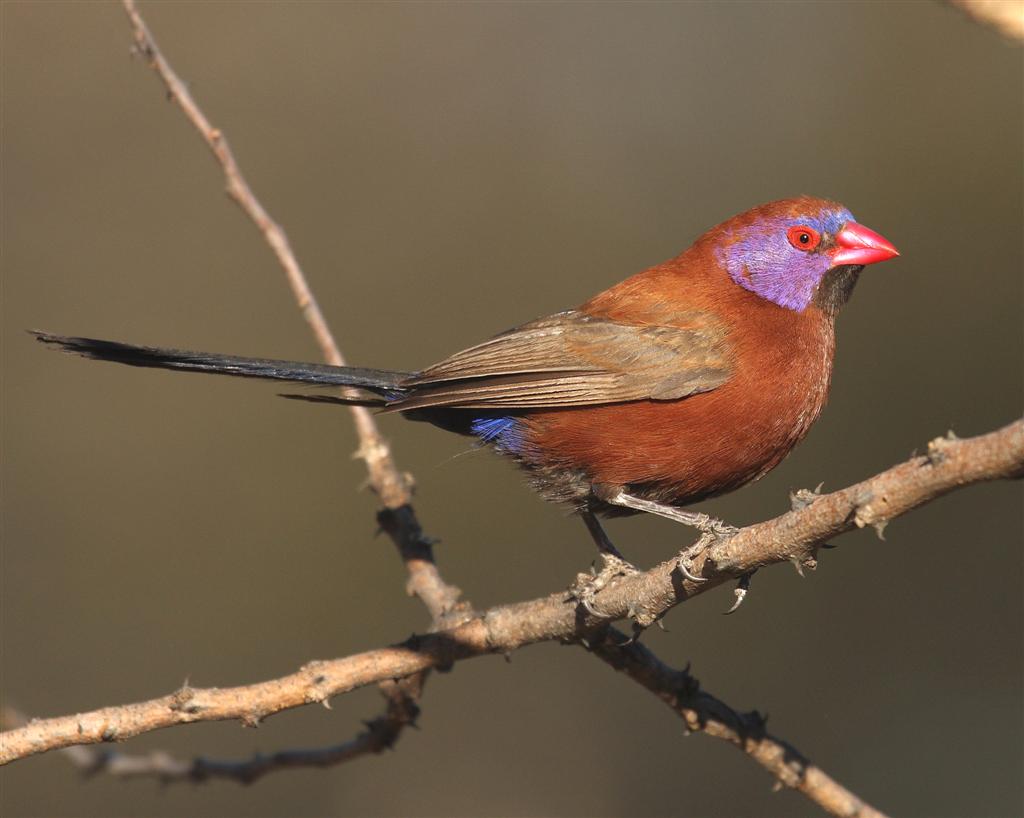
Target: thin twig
(704,713)
(380,734)
(954,464)
(385,477)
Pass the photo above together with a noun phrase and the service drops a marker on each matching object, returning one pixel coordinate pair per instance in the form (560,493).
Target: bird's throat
(836,287)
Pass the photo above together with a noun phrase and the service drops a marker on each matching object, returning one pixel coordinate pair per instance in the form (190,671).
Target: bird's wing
(575,359)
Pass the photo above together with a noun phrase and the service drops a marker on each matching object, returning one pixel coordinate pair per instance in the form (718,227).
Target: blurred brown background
(446,171)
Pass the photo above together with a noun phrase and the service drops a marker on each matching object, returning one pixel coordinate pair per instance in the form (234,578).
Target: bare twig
(645,596)
(704,713)
(380,734)
(948,464)
(385,477)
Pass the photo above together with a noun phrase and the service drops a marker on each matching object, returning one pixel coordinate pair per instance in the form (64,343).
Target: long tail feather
(337,400)
(383,382)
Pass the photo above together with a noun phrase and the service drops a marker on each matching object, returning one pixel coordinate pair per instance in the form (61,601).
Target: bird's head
(795,252)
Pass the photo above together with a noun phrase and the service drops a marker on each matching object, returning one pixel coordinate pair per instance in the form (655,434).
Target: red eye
(803,237)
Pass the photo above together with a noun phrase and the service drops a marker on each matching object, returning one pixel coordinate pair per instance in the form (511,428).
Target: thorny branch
(702,712)
(458,632)
(380,734)
(949,464)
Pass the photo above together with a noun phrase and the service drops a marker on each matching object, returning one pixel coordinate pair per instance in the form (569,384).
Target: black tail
(378,381)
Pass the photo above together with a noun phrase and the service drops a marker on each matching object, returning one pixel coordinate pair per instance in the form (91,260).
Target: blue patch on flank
(504,433)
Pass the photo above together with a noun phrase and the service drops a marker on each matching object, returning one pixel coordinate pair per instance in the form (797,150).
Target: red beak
(859,245)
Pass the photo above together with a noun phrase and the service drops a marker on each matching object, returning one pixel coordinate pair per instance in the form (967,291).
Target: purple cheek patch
(762,260)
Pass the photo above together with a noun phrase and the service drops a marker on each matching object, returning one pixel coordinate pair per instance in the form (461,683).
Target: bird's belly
(673,452)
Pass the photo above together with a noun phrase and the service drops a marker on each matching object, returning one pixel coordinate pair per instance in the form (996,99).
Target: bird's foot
(586,586)
(711,528)
(712,531)
(708,526)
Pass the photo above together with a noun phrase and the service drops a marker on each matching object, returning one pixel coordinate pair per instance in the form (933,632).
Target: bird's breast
(681,451)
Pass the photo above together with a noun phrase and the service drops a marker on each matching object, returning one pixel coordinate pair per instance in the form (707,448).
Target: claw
(717,529)
(629,640)
(686,556)
(587,602)
(683,562)
(741,592)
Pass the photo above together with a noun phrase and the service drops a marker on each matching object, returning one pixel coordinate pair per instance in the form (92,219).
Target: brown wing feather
(575,359)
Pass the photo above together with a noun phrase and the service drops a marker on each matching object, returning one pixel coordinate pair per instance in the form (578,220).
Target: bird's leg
(710,528)
(615,565)
(609,553)
(702,522)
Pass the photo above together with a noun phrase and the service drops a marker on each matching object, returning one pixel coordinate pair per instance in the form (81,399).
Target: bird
(683,382)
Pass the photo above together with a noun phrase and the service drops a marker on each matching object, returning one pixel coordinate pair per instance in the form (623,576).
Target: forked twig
(947,466)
